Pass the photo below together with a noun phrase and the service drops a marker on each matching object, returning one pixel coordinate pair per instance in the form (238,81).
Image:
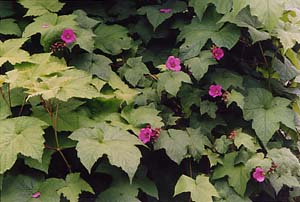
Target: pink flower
(45,26)
(148,134)
(165,10)
(217,52)
(145,134)
(215,90)
(68,36)
(258,174)
(173,63)
(36,195)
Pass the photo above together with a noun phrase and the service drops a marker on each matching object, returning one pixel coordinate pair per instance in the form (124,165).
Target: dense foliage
(149,100)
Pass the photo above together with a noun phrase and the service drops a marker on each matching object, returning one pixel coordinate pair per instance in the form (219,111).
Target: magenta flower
(258,174)
(165,10)
(215,90)
(145,134)
(217,52)
(173,63)
(36,195)
(68,36)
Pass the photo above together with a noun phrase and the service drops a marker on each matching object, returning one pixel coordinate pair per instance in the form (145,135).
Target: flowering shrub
(187,100)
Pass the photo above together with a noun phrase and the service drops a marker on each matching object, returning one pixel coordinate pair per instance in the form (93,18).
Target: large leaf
(154,15)
(73,186)
(117,144)
(227,79)
(288,170)
(267,112)
(227,194)
(20,135)
(198,32)
(10,51)
(112,39)
(285,69)
(21,188)
(238,175)
(175,142)
(171,81)
(201,189)
(37,8)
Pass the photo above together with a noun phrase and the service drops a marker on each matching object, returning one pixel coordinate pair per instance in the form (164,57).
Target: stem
(191,174)
(54,125)
(22,107)
(4,98)
(267,65)
(9,99)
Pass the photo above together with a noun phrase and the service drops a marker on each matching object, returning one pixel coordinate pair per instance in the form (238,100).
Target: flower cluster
(148,134)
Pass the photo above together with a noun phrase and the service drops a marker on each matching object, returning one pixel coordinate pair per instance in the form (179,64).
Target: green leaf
(50,26)
(227,79)
(285,69)
(238,175)
(201,6)
(197,143)
(246,140)
(10,51)
(288,34)
(208,107)
(6,9)
(95,64)
(175,142)
(199,65)
(267,112)
(236,97)
(117,144)
(21,188)
(189,96)
(122,91)
(4,109)
(227,194)
(20,135)
(258,160)
(37,8)
(268,11)
(121,189)
(9,27)
(73,186)
(71,83)
(201,189)
(134,70)
(84,21)
(288,170)
(213,157)
(112,39)
(44,164)
(142,116)
(198,33)
(154,15)
(222,143)
(171,81)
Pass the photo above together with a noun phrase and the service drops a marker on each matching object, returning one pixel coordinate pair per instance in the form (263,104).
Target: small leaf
(9,27)
(171,81)
(246,140)
(208,107)
(73,186)
(201,189)
(199,65)
(227,79)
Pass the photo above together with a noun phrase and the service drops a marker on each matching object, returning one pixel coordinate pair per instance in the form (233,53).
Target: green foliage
(201,189)
(103,117)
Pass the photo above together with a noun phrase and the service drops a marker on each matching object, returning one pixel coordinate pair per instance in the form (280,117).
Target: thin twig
(4,98)
(22,107)
(9,96)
